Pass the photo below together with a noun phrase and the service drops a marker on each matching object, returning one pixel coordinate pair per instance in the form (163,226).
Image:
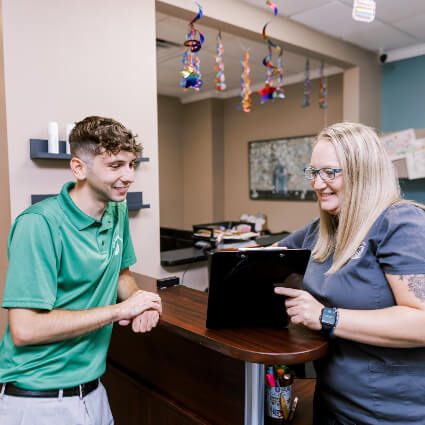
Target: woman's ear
(78,168)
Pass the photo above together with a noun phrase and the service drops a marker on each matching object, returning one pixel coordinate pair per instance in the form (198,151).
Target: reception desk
(182,373)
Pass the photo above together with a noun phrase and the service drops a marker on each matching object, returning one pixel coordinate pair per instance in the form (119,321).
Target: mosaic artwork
(276,169)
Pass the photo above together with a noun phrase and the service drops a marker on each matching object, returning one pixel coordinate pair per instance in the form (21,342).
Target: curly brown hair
(95,135)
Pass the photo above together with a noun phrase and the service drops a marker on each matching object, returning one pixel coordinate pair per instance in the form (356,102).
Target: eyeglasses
(326,174)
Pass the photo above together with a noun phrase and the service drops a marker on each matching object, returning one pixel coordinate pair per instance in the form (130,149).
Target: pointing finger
(289,292)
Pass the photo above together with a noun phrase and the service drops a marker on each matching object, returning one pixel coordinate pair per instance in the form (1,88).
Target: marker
(280,373)
(270,379)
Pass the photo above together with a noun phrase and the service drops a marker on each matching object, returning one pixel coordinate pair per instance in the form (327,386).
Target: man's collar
(78,218)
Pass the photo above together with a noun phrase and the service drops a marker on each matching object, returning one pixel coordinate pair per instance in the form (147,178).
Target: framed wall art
(276,169)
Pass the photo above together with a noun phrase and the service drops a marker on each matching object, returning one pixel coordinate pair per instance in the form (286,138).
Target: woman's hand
(302,307)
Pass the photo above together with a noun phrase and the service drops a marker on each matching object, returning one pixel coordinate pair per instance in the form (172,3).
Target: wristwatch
(328,320)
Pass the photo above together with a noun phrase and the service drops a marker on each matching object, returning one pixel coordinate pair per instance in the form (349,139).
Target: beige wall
(65,60)
(171,163)
(191,161)
(198,166)
(218,160)
(215,159)
(4,178)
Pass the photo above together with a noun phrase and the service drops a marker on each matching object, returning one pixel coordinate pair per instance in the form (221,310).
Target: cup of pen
(280,405)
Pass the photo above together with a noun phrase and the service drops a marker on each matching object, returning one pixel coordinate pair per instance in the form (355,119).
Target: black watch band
(328,320)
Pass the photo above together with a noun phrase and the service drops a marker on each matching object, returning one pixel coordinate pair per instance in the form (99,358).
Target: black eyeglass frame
(318,171)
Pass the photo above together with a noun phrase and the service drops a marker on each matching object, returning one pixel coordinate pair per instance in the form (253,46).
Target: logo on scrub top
(116,245)
(359,251)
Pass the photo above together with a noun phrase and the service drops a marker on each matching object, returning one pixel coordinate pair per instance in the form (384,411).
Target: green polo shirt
(60,258)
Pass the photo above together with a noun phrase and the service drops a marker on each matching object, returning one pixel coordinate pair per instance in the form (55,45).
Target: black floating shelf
(38,150)
(134,200)
(38,198)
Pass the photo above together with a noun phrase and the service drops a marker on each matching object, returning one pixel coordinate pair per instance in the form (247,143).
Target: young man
(69,259)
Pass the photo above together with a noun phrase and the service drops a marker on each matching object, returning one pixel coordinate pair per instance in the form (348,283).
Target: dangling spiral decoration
(191,75)
(220,84)
(245,91)
(271,89)
(307,85)
(323,92)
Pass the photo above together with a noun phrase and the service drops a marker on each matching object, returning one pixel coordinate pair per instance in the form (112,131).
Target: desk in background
(191,254)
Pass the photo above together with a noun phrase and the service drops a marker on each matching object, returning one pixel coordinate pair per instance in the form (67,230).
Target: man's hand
(145,321)
(136,304)
(302,307)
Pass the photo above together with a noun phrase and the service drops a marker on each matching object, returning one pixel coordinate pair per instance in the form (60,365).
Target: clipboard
(241,286)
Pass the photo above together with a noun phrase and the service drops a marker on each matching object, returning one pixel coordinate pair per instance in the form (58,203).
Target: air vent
(165,44)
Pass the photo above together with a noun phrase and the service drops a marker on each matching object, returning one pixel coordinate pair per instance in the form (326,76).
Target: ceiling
(398,30)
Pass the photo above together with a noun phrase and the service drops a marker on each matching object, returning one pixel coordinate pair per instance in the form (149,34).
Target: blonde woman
(364,287)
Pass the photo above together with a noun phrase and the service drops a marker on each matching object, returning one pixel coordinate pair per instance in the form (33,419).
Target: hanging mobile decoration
(220,85)
(245,92)
(323,94)
(191,75)
(271,91)
(307,85)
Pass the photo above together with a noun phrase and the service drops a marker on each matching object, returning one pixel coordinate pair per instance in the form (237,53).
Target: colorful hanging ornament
(267,92)
(220,84)
(323,92)
(272,89)
(245,92)
(364,10)
(191,75)
(307,85)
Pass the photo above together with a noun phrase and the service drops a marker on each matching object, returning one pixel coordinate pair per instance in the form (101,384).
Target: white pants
(91,410)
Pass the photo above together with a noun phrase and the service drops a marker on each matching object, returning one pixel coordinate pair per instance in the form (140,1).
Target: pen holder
(274,407)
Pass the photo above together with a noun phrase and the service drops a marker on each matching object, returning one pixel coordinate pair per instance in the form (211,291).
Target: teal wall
(403,94)
(403,106)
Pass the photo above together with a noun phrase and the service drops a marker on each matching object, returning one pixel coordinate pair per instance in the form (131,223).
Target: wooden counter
(183,373)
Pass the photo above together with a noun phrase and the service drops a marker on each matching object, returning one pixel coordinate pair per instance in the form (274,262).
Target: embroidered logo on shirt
(359,251)
(115,245)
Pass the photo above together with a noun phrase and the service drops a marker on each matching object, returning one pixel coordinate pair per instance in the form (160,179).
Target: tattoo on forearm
(416,284)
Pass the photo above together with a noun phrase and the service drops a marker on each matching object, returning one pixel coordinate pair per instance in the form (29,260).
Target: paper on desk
(415,160)
(398,144)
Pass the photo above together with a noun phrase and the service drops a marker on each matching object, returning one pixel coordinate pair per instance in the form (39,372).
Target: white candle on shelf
(53,137)
(69,128)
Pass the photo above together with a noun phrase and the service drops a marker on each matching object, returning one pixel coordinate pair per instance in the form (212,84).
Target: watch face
(328,316)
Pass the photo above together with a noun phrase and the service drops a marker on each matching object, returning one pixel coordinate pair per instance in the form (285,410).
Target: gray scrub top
(361,383)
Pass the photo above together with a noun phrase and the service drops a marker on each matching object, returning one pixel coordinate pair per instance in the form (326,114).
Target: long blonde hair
(370,186)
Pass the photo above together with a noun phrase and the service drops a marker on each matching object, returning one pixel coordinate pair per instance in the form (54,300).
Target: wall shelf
(134,200)
(38,198)
(38,150)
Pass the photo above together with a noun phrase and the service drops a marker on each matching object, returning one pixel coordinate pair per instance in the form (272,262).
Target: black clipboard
(241,286)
